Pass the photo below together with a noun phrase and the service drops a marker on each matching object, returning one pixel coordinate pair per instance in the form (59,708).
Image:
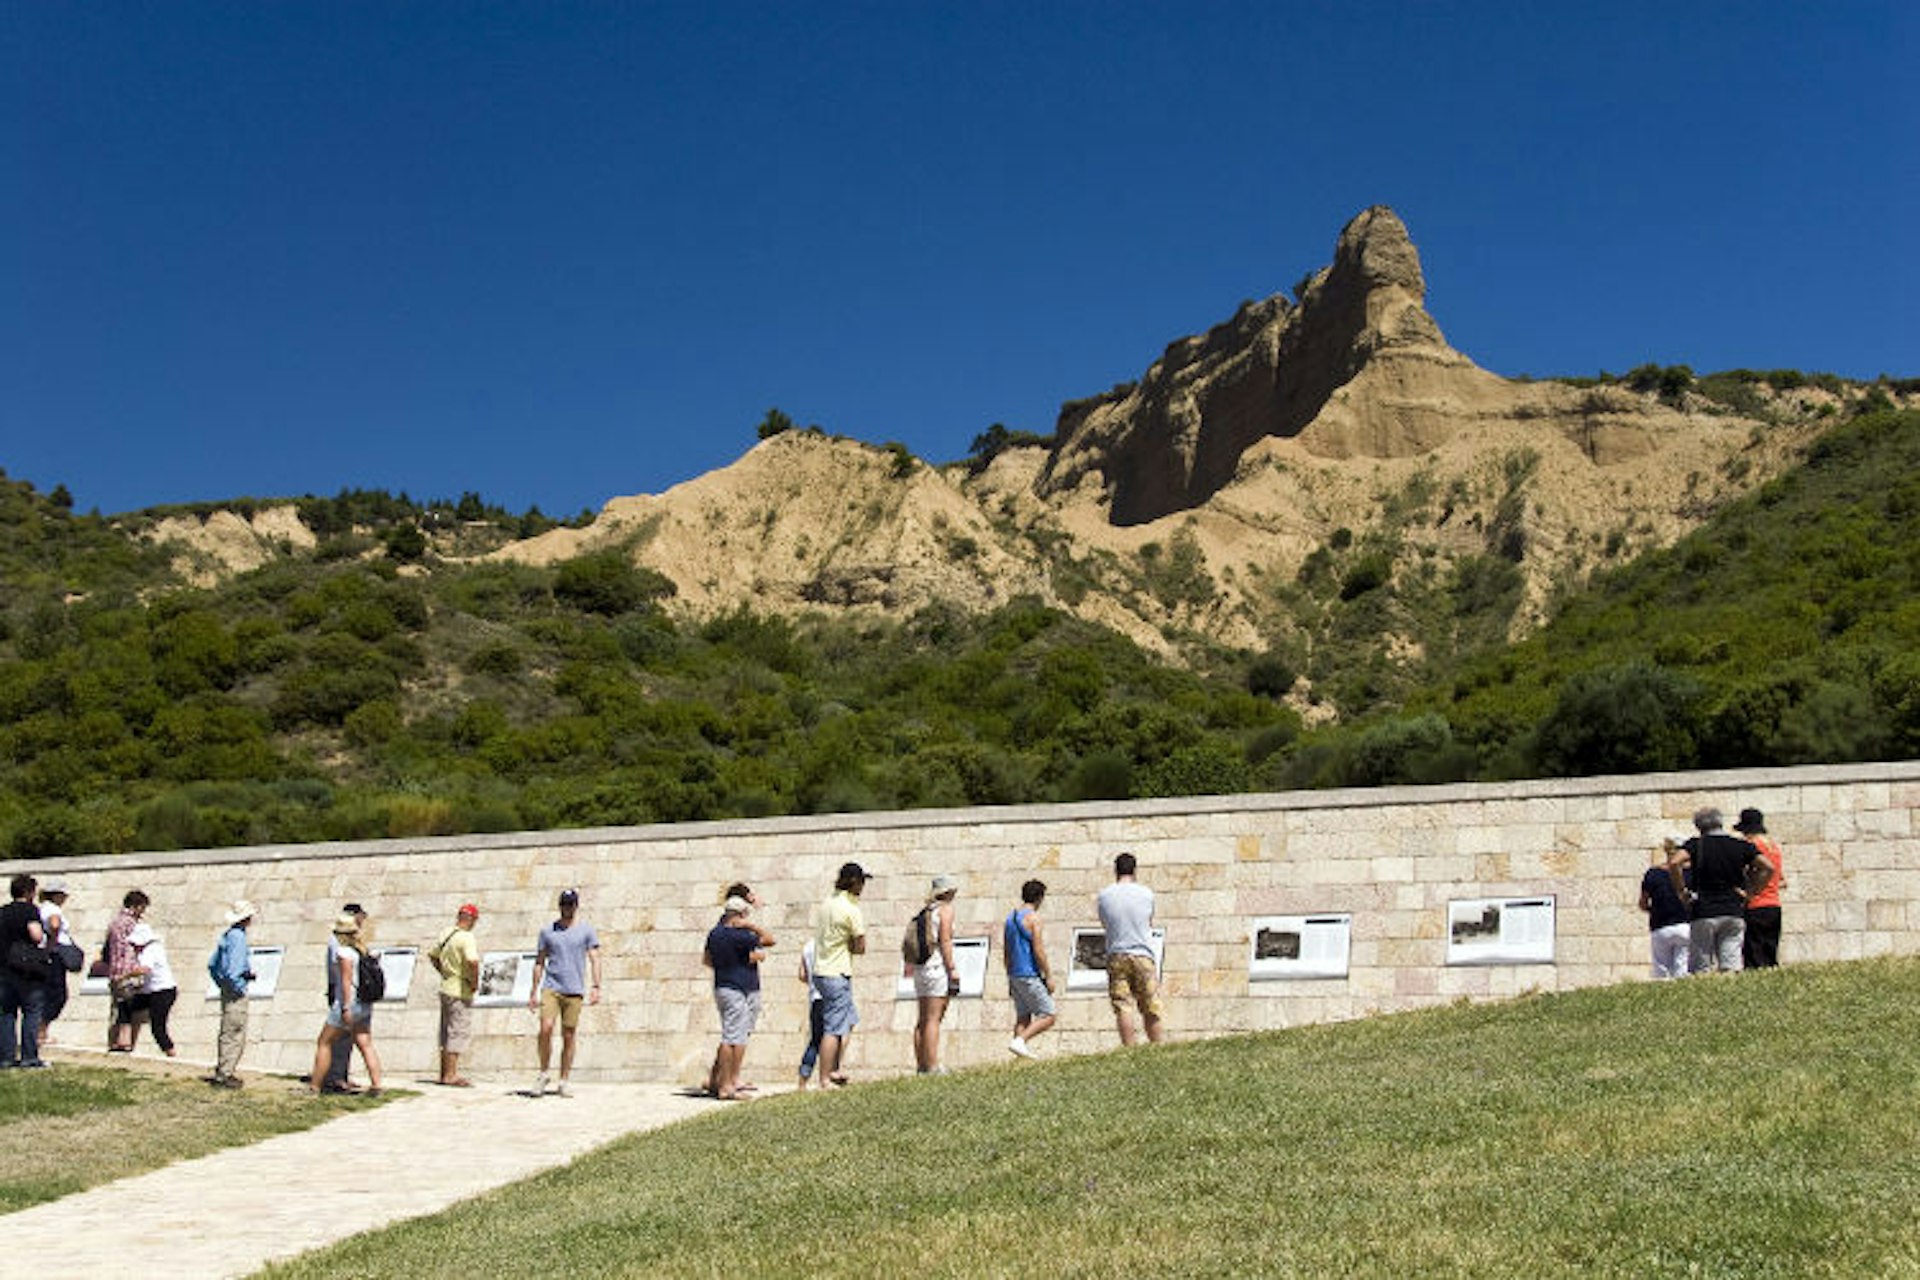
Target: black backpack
(369,979)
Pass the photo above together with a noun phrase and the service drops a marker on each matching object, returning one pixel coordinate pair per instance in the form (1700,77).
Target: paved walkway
(230,1213)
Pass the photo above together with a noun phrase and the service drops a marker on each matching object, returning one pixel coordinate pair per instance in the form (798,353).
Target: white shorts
(930,979)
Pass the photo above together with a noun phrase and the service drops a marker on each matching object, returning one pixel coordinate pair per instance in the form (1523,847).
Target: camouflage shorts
(1132,980)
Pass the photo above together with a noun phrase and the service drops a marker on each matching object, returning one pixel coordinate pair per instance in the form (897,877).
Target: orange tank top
(1770,896)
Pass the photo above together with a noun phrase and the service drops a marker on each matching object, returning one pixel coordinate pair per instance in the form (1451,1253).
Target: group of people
(566,979)
(1713,903)
(736,947)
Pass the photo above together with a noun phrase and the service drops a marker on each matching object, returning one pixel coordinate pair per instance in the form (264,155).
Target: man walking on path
(1029,976)
(231,968)
(1726,872)
(735,947)
(1760,949)
(840,934)
(457,960)
(1126,913)
(567,953)
(342,1060)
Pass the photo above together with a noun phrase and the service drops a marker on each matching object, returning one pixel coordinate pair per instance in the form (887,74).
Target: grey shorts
(1031,999)
(839,1016)
(739,1011)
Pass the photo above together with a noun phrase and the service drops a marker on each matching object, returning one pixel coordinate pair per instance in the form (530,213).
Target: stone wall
(1390,859)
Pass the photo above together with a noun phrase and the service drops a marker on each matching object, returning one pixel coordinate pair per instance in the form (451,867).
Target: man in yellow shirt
(840,934)
(457,960)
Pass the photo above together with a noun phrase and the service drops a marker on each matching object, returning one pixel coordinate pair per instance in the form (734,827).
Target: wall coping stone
(1101,811)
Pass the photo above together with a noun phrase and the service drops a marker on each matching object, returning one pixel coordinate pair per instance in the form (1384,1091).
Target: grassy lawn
(71,1128)
(1766,1125)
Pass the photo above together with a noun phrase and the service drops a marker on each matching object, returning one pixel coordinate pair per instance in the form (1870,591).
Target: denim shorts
(836,994)
(349,1019)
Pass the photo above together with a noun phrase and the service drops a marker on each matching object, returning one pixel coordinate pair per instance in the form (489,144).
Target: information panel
(1087,969)
(1299,947)
(506,978)
(1500,931)
(397,963)
(266,963)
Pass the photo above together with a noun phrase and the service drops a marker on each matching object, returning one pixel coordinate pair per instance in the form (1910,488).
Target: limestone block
(1395,953)
(1445,869)
(1415,897)
(1464,980)
(1889,824)
(1390,870)
(1846,916)
(1416,982)
(1889,915)
(1493,868)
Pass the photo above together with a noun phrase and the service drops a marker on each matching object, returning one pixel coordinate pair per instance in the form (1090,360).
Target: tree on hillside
(774,424)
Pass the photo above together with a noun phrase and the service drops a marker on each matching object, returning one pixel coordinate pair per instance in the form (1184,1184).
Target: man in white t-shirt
(1126,913)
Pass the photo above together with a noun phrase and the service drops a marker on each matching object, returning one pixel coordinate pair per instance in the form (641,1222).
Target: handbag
(29,961)
(72,958)
(128,985)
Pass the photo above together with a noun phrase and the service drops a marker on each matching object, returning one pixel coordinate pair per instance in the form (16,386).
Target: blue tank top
(1019,946)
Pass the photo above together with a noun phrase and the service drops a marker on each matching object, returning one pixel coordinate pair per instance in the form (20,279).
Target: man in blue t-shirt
(1029,976)
(567,954)
(735,948)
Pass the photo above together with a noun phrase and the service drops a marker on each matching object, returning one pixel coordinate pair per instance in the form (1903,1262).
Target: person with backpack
(341,1066)
(927,950)
(361,982)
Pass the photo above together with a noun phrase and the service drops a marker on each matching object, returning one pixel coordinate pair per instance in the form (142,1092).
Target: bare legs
(362,1038)
(926,1033)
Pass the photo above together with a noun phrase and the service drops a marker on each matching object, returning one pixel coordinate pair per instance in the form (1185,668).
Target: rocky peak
(1174,439)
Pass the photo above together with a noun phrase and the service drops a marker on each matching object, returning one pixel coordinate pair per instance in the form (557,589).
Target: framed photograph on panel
(1087,964)
(397,963)
(1500,931)
(506,978)
(1298,947)
(970,957)
(266,974)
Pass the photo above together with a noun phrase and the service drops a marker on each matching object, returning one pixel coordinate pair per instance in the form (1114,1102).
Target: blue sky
(559,252)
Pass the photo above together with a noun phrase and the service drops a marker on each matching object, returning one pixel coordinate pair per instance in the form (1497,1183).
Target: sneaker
(225,1082)
(1018,1048)
(563,1090)
(34,1065)
(541,1083)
